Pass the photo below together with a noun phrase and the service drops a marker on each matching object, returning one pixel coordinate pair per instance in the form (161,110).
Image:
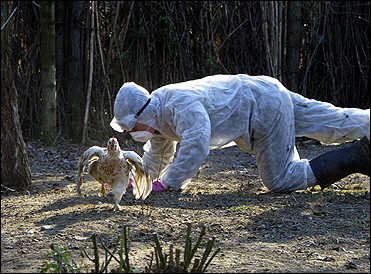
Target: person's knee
(293,177)
(275,186)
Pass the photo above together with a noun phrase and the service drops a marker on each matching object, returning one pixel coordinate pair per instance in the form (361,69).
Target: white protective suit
(256,112)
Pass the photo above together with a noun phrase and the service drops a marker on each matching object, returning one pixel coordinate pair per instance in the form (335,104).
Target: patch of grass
(248,208)
(354,191)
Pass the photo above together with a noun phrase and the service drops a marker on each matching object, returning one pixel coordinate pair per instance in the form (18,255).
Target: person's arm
(158,153)
(193,126)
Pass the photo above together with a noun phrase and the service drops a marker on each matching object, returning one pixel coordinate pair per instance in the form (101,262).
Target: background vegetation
(320,49)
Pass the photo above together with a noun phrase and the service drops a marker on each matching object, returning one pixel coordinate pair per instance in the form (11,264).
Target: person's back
(233,103)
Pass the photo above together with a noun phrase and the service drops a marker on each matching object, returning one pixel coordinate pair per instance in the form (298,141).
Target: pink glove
(130,185)
(157,186)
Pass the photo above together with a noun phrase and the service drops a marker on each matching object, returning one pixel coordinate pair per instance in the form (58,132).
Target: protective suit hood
(133,104)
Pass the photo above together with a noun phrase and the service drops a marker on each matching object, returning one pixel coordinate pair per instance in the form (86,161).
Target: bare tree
(272,16)
(74,68)
(91,66)
(48,74)
(15,168)
(293,40)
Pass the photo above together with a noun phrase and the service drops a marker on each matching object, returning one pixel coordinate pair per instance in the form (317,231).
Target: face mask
(141,136)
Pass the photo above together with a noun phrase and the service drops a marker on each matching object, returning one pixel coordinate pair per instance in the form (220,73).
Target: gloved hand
(130,185)
(157,186)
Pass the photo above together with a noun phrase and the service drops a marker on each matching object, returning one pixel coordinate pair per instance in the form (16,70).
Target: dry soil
(257,231)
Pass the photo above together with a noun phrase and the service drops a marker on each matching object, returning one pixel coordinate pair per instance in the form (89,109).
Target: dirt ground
(257,231)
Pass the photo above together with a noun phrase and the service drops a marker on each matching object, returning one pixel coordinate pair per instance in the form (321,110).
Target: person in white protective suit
(257,113)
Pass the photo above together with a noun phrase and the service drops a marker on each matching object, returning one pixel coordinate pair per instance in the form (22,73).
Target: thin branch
(91,66)
(7,188)
(103,66)
(7,21)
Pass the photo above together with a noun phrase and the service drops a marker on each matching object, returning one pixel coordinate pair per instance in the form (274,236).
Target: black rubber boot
(332,166)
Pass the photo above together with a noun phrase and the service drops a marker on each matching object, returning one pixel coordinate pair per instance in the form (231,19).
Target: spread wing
(142,184)
(91,154)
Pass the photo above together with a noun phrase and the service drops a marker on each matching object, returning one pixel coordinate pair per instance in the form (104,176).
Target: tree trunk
(48,74)
(293,43)
(15,168)
(91,67)
(272,14)
(74,82)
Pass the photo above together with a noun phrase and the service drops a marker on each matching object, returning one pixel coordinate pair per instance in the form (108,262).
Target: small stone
(31,231)
(79,238)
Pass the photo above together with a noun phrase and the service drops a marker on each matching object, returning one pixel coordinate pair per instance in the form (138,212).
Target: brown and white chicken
(111,165)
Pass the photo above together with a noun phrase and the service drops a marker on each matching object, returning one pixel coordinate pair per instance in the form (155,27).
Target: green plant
(166,263)
(122,244)
(61,262)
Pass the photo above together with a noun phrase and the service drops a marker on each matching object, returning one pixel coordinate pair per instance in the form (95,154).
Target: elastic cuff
(311,179)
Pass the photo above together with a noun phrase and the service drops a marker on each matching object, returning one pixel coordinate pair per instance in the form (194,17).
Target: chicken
(112,166)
